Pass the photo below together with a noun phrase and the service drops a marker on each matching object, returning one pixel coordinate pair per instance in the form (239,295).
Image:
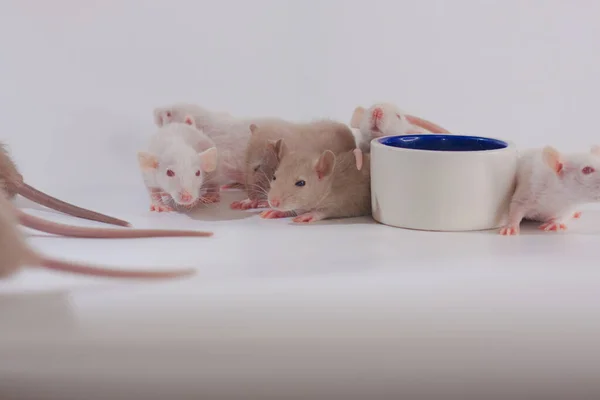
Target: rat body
(550,187)
(320,186)
(384,119)
(16,254)
(12,181)
(230,134)
(262,156)
(180,168)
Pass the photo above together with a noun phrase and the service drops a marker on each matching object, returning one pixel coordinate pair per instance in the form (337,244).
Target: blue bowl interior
(443,142)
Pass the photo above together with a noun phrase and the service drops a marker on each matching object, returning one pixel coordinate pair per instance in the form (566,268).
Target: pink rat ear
(279,148)
(357,116)
(208,159)
(189,120)
(325,164)
(147,161)
(552,158)
(595,150)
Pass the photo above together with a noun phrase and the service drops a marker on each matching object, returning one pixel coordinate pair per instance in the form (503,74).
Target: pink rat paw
(160,208)
(553,226)
(309,217)
(509,230)
(272,214)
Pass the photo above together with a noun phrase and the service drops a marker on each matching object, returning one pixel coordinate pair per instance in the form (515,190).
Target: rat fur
(384,119)
(551,186)
(229,133)
(320,186)
(12,181)
(181,167)
(262,153)
(16,254)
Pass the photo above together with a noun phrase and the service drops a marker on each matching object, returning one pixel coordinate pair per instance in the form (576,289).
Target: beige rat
(262,155)
(320,186)
(16,254)
(13,183)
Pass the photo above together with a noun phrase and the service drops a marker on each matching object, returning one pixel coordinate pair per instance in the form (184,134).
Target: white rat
(383,119)
(230,134)
(180,168)
(551,186)
(320,185)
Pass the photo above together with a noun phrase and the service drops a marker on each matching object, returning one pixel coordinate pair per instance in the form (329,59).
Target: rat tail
(56,228)
(42,198)
(430,126)
(85,269)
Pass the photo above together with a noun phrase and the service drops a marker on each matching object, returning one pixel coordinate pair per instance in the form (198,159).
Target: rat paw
(245,204)
(308,217)
(210,198)
(272,214)
(160,208)
(577,215)
(553,226)
(510,230)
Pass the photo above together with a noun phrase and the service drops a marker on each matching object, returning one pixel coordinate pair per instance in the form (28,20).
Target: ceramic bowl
(442,182)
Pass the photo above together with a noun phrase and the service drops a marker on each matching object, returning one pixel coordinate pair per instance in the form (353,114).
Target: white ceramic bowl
(442,182)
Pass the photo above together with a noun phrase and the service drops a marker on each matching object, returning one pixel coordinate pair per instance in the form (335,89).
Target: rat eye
(274,177)
(300,183)
(588,170)
(198,173)
(256,168)
(169,114)
(170,172)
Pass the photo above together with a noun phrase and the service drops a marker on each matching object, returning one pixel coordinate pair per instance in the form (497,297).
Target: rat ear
(253,128)
(189,120)
(357,117)
(208,159)
(147,160)
(325,164)
(279,147)
(552,158)
(358,157)
(595,150)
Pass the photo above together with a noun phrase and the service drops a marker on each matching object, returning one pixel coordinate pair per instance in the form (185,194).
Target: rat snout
(274,202)
(185,196)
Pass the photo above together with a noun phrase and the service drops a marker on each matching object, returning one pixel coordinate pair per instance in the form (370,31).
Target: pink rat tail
(101,233)
(430,126)
(82,269)
(46,200)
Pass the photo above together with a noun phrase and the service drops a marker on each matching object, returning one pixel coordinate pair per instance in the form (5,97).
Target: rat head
(261,160)
(381,119)
(578,173)
(173,113)
(180,171)
(301,181)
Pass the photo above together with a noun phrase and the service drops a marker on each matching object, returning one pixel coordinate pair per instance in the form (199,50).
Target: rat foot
(247,204)
(160,208)
(577,215)
(552,225)
(210,198)
(510,230)
(309,217)
(235,185)
(272,214)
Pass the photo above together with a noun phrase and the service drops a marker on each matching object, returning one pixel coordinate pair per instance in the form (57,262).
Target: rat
(384,119)
(180,168)
(550,186)
(13,183)
(15,254)
(263,148)
(230,134)
(318,186)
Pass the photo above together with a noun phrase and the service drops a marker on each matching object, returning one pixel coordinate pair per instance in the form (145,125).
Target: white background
(78,82)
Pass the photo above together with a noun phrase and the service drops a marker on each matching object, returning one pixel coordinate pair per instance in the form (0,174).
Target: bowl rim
(377,142)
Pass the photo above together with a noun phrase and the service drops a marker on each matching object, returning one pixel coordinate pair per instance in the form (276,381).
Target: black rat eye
(300,183)
(274,177)
(256,168)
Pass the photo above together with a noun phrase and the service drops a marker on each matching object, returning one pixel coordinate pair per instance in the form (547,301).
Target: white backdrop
(79,79)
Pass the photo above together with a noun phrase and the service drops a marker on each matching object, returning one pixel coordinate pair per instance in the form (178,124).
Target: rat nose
(184,195)
(275,202)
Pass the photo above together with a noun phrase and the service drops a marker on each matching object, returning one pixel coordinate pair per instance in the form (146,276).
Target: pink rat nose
(275,202)
(185,196)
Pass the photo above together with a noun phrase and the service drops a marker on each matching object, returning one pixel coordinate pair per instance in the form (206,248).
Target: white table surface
(340,309)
